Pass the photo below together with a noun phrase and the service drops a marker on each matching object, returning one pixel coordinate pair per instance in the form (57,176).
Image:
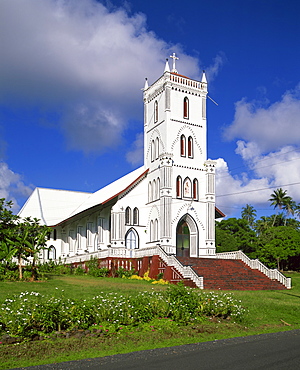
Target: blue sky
(71,110)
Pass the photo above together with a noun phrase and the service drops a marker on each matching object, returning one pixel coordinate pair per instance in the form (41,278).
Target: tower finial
(167,67)
(174,57)
(203,79)
(146,84)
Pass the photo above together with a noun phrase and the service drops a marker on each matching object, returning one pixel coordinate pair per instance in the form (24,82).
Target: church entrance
(183,239)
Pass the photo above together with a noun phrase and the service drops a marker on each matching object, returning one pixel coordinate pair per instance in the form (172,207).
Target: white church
(155,215)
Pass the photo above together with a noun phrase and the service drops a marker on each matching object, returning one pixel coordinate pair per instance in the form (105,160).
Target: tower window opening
(178,187)
(186,108)
(195,189)
(190,147)
(182,146)
(155,111)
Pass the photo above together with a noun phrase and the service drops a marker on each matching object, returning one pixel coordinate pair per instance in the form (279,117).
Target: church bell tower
(181,181)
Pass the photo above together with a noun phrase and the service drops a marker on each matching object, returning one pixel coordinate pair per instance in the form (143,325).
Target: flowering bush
(29,312)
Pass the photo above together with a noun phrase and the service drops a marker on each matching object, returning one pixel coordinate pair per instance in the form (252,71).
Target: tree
(279,199)
(277,244)
(20,238)
(244,236)
(248,214)
(30,239)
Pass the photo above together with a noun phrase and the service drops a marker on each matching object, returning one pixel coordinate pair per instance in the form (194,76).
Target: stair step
(229,274)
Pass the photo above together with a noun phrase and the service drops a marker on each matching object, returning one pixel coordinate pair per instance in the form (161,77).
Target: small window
(157,148)
(150,192)
(135,216)
(195,189)
(190,147)
(152,151)
(158,188)
(54,234)
(128,216)
(155,111)
(178,187)
(151,231)
(156,230)
(186,108)
(182,146)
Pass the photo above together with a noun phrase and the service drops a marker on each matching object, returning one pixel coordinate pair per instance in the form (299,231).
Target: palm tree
(297,210)
(248,214)
(289,207)
(279,199)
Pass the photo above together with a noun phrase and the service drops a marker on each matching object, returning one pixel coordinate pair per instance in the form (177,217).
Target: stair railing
(255,264)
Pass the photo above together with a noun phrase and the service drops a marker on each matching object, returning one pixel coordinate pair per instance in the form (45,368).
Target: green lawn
(269,311)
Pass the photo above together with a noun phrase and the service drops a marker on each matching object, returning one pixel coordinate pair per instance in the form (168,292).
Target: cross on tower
(174,57)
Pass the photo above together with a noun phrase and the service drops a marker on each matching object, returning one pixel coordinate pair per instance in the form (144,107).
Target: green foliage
(29,313)
(277,244)
(237,232)
(121,272)
(79,270)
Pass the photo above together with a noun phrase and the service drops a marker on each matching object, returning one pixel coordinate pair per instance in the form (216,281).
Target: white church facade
(169,201)
(159,217)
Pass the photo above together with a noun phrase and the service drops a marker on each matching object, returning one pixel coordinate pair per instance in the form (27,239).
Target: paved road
(266,351)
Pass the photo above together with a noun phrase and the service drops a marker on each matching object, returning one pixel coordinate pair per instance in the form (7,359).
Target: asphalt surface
(266,351)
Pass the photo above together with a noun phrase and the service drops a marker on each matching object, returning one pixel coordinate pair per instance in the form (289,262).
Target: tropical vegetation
(274,240)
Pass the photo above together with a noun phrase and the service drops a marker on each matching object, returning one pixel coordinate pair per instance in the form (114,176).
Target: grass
(269,311)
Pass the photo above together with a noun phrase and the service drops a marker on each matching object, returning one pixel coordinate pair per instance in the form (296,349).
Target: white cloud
(12,186)
(136,154)
(267,128)
(213,70)
(86,60)
(268,172)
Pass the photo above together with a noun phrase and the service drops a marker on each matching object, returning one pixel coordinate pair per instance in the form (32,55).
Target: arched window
(190,147)
(155,231)
(135,216)
(152,151)
(131,239)
(51,253)
(155,111)
(187,188)
(150,192)
(154,190)
(182,146)
(158,188)
(157,148)
(151,231)
(195,189)
(128,216)
(178,187)
(186,108)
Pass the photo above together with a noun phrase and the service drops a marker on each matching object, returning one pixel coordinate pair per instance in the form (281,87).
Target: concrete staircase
(229,274)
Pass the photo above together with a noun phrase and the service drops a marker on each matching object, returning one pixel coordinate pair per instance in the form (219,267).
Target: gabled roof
(110,191)
(54,206)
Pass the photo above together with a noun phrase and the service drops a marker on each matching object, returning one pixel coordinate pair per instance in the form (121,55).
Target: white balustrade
(272,274)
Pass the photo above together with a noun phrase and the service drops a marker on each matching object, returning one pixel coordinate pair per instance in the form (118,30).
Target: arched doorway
(186,237)
(183,239)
